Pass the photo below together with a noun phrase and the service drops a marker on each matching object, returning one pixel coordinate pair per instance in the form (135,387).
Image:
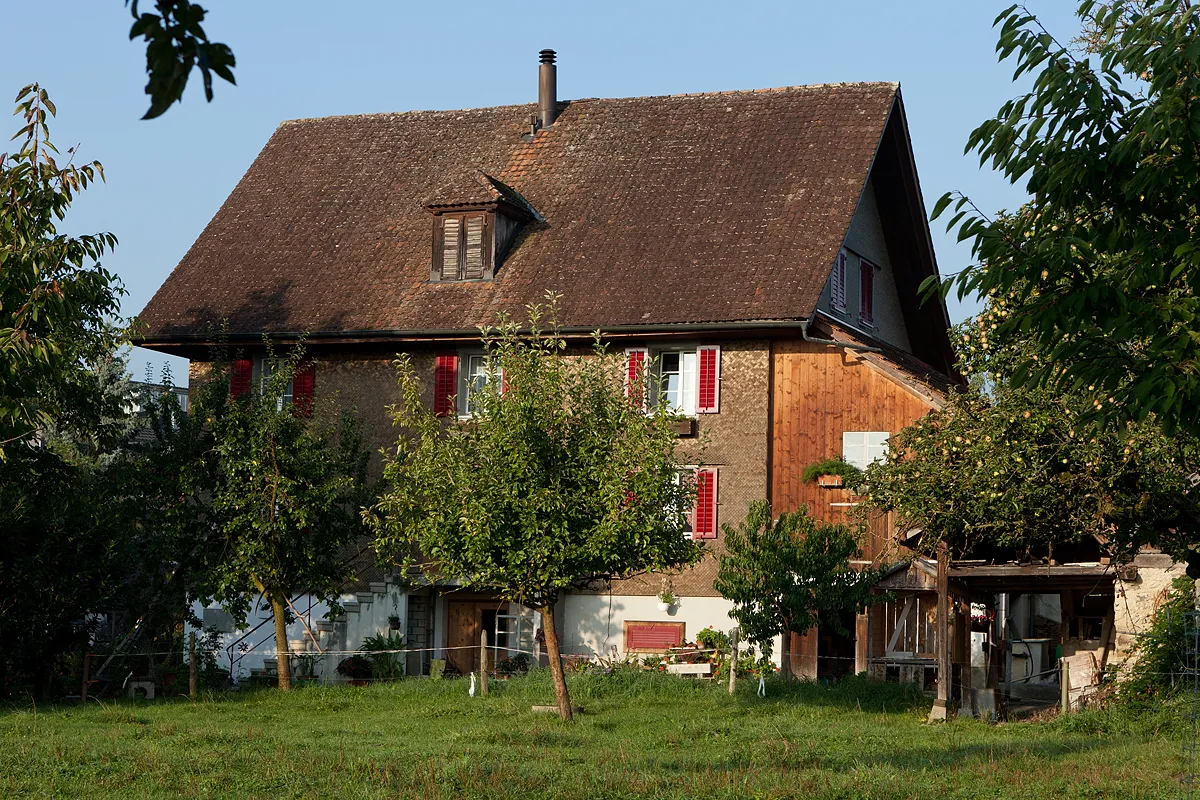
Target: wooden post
(733,645)
(87,664)
(1065,679)
(940,710)
(483,662)
(193,672)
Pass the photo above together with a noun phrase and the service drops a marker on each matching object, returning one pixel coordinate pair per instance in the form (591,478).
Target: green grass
(640,736)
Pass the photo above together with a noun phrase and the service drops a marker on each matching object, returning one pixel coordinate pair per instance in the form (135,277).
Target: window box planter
(830,481)
(684,427)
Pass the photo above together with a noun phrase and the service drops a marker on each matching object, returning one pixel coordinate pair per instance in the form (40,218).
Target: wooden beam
(908,603)
(940,711)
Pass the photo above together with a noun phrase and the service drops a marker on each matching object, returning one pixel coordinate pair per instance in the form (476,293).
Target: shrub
(356,668)
(384,665)
(1161,656)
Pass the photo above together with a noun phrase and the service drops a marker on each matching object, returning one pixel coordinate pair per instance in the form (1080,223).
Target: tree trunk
(281,643)
(556,667)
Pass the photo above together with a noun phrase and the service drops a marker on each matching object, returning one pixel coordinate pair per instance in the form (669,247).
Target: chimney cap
(547,56)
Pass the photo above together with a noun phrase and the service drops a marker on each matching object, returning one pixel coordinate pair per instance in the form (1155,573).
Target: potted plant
(666,599)
(832,473)
(357,669)
(393,622)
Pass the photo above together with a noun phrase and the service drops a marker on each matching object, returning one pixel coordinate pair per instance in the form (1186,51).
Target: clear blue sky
(302,58)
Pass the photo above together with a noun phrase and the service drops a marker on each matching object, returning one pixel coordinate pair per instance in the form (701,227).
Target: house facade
(759,252)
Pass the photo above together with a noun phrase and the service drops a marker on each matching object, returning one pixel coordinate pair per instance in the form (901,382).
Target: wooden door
(462,631)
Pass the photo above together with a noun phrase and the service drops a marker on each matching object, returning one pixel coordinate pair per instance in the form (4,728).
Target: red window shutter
(653,637)
(445,383)
(635,374)
(704,516)
(709,397)
(304,384)
(866,303)
(240,379)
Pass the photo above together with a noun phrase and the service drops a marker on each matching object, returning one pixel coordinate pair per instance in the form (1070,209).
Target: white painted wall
(865,238)
(593,624)
(362,619)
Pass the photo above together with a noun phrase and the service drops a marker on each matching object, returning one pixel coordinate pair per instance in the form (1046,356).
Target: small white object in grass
(471,691)
(762,687)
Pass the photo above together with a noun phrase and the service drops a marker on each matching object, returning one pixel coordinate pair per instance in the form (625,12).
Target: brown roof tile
(654,210)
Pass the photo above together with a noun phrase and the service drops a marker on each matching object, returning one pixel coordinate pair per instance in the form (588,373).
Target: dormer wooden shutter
(708,396)
(704,516)
(241,377)
(451,233)
(866,302)
(473,261)
(635,374)
(837,282)
(445,383)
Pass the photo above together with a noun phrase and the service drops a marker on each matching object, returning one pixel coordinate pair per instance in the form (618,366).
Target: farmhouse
(761,250)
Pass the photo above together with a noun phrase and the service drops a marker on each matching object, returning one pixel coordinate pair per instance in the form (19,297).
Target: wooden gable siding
(817,393)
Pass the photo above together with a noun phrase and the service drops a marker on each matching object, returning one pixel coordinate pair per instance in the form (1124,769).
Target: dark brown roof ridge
(389,115)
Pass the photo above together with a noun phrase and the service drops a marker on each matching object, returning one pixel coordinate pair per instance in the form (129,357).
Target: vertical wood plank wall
(818,392)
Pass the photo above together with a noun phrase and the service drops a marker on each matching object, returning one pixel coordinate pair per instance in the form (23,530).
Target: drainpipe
(834,343)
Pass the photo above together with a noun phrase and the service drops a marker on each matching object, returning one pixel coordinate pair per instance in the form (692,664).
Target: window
(687,381)
(866,293)
(677,382)
(837,282)
(265,369)
(682,476)
(255,373)
(863,448)
(462,247)
(702,517)
(477,375)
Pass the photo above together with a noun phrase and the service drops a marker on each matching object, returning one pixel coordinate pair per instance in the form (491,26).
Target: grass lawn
(640,736)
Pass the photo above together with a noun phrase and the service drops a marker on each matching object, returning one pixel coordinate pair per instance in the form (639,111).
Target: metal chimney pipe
(547,89)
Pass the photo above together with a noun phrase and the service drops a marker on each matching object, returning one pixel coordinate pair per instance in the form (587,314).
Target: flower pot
(664,606)
(830,481)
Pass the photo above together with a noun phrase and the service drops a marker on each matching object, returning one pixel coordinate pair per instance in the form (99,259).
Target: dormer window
(464,252)
(475,223)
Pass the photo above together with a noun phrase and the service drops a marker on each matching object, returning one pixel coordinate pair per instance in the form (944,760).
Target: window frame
(463,397)
(689,383)
(263,369)
(866,445)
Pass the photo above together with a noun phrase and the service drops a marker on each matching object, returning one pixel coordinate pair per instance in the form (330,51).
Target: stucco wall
(594,624)
(1136,601)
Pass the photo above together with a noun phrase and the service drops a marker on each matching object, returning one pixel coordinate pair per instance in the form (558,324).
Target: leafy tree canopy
(556,480)
(1100,270)
(57,303)
(784,575)
(176,43)
(1014,466)
(286,494)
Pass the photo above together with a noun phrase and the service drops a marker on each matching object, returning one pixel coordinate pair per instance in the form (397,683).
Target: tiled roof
(653,210)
